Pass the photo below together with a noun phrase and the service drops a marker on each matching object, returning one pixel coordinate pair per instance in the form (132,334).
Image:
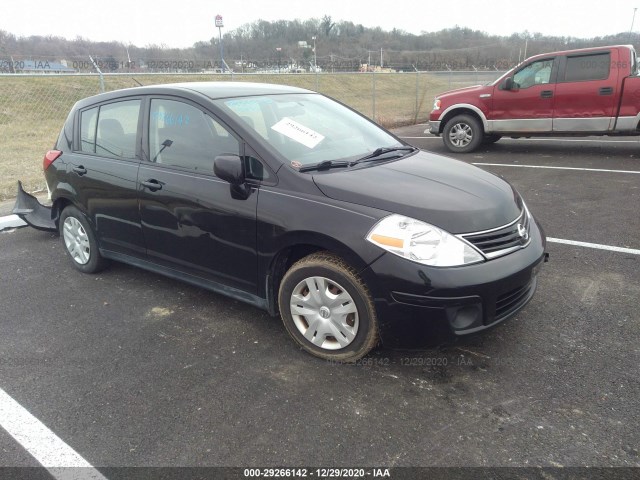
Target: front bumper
(434,127)
(416,303)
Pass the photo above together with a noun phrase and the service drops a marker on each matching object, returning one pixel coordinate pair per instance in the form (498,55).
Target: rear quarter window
(65,139)
(88,122)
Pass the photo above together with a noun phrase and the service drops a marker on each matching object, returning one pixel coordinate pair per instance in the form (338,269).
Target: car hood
(464,91)
(447,193)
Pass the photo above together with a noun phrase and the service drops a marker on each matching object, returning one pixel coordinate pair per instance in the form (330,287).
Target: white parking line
(433,137)
(572,140)
(602,170)
(44,445)
(597,246)
(428,138)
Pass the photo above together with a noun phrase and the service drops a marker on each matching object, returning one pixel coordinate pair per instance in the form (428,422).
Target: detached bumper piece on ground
(33,212)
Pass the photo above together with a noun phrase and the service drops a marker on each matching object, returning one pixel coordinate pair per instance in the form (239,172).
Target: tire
(341,312)
(79,241)
(462,134)
(490,139)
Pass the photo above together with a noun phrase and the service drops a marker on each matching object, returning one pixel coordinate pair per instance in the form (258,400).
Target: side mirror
(229,168)
(509,84)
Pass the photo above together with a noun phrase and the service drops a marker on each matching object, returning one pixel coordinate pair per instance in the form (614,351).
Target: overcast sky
(182,23)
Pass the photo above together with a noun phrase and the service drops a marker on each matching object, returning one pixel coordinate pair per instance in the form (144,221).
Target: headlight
(420,242)
(436,104)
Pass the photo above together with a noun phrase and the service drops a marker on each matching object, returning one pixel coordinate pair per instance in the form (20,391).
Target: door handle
(80,170)
(546,93)
(152,184)
(606,91)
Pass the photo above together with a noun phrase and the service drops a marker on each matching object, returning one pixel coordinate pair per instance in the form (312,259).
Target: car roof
(212,90)
(579,51)
(237,89)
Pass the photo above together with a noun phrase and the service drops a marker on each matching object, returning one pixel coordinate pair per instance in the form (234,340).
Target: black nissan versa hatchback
(294,203)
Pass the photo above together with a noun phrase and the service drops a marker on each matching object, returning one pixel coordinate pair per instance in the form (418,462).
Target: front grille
(510,302)
(502,240)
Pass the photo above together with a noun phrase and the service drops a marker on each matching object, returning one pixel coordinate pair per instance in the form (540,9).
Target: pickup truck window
(582,68)
(535,73)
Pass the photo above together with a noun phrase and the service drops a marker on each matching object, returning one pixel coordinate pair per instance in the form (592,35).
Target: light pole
(633,19)
(219,24)
(315,57)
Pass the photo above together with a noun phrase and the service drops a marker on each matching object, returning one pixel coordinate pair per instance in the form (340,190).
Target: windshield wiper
(377,154)
(324,165)
(380,154)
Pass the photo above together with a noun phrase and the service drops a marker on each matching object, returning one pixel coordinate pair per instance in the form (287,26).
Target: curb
(11,221)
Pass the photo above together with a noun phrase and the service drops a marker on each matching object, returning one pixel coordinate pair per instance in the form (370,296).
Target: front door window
(181,135)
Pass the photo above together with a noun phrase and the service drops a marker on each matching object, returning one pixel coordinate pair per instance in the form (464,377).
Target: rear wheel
(327,309)
(80,242)
(463,134)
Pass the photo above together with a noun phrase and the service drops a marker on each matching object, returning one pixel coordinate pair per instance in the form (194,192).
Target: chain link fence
(34,107)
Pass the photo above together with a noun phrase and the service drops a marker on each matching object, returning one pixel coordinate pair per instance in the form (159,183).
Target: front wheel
(462,134)
(327,309)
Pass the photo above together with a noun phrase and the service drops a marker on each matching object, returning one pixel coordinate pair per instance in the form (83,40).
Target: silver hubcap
(76,240)
(324,313)
(461,135)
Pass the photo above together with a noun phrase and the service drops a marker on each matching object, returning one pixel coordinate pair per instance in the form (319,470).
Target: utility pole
(633,19)
(381,60)
(315,56)
(128,56)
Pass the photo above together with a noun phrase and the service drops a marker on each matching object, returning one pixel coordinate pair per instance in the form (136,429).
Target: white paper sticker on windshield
(298,132)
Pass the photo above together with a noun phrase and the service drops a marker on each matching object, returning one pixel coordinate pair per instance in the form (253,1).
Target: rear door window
(582,68)
(117,129)
(110,130)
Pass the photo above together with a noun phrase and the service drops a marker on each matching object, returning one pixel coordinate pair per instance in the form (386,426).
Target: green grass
(33,109)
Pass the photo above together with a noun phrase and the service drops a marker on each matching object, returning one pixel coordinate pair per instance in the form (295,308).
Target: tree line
(340,45)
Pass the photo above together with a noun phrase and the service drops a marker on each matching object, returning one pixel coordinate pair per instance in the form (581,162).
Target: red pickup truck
(592,91)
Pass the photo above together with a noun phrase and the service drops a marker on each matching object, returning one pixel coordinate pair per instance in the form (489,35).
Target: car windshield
(309,128)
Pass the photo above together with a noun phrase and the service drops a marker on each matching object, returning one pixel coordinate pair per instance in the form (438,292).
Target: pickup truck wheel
(80,242)
(489,139)
(462,134)
(327,309)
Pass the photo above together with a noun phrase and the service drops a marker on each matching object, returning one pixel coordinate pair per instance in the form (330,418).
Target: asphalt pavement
(133,369)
